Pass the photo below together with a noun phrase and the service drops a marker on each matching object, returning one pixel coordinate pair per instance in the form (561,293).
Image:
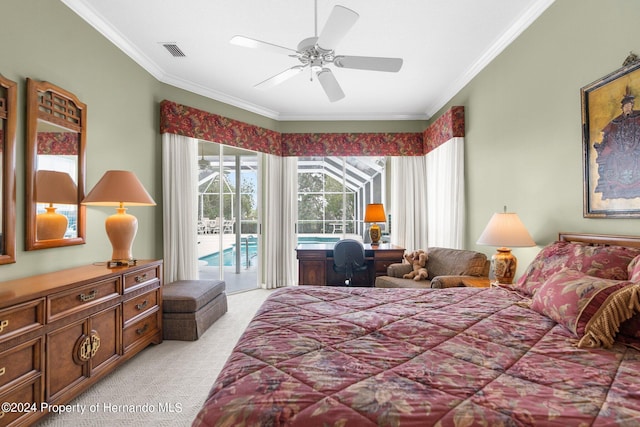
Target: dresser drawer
(21,318)
(141,329)
(23,403)
(140,305)
(20,361)
(140,278)
(82,298)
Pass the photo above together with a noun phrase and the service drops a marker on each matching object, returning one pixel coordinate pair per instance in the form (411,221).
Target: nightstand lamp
(505,230)
(53,187)
(117,188)
(375,213)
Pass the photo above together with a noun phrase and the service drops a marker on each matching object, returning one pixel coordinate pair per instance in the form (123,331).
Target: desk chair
(348,258)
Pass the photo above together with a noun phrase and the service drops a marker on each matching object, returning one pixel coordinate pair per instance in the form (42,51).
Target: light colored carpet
(166,384)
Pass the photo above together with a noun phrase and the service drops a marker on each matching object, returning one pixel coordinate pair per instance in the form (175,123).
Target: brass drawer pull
(141,278)
(2,371)
(3,325)
(142,305)
(142,330)
(88,297)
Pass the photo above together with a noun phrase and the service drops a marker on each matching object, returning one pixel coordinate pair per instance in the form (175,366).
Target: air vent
(174,49)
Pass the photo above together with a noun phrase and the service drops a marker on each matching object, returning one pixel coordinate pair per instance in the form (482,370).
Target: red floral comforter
(319,356)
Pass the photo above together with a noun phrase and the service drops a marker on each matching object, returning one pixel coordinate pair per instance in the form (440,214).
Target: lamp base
(51,225)
(121,229)
(504,265)
(375,233)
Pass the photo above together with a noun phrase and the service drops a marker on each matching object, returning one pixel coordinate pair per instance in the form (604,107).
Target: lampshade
(374,213)
(117,188)
(505,230)
(53,187)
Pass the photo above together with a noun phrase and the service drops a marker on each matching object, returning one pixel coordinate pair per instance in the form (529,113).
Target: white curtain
(278,216)
(445,195)
(427,198)
(408,202)
(180,207)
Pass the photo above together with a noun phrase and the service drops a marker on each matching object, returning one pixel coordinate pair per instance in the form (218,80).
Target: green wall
(523,121)
(523,144)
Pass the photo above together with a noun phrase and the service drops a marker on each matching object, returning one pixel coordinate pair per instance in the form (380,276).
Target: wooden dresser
(61,332)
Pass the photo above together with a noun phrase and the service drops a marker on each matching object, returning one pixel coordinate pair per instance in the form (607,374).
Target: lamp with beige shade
(53,187)
(117,188)
(505,230)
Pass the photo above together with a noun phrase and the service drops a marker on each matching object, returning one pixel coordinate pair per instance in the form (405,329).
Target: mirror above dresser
(8,111)
(55,173)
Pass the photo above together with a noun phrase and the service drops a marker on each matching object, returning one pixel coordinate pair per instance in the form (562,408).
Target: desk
(315,264)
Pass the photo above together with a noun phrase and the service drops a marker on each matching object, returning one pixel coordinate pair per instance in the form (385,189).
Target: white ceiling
(444,44)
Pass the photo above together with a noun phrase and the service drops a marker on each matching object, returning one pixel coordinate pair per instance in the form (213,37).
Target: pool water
(229,254)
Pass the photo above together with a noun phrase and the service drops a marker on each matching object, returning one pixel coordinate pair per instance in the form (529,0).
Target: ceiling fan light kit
(316,53)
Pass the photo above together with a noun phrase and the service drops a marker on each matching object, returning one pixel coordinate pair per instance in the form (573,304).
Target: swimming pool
(251,246)
(229,256)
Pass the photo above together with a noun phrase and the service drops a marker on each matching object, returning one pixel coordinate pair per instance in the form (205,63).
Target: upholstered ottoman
(190,307)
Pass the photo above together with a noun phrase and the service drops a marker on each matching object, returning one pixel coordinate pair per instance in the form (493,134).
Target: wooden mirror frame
(51,104)
(8,113)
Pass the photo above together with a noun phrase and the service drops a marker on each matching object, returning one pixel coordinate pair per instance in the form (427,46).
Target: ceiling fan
(315,53)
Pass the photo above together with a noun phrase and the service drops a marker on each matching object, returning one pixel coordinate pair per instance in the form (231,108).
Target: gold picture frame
(611,144)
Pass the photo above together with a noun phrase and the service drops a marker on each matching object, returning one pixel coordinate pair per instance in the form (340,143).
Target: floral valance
(182,120)
(447,126)
(58,143)
(187,121)
(351,144)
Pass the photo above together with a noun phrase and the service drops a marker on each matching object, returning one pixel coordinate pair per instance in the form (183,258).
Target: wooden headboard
(600,239)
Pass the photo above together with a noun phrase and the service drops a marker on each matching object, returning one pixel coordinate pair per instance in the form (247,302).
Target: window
(334,191)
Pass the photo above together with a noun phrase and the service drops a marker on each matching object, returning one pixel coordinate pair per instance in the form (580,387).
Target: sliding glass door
(227,215)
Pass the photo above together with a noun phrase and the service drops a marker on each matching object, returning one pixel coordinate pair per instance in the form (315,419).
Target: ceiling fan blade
(258,44)
(338,24)
(369,63)
(330,85)
(280,77)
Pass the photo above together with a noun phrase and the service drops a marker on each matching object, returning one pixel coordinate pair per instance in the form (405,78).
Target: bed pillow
(591,308)
(607,262)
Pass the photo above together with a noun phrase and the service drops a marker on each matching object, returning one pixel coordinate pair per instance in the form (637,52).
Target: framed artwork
(611,144)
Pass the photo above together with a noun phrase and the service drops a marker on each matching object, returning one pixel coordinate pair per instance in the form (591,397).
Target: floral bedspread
(320,356)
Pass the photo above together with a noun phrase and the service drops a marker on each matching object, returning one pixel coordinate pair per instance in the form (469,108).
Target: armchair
(447,268)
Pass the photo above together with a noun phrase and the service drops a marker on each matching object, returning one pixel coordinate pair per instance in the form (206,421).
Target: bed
(338,356)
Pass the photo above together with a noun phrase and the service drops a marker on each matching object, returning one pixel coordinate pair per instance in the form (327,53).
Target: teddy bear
(418,259)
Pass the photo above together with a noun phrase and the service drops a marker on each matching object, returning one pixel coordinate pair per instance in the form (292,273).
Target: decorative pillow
(590,307)
(634,269)
(551,259)
(607,262)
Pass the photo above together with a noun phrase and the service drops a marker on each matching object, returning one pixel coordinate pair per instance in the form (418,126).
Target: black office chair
(348,258)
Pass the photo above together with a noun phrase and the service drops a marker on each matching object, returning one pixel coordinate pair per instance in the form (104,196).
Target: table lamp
(117,188)
(505,230)
(53,187)
(374,213)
